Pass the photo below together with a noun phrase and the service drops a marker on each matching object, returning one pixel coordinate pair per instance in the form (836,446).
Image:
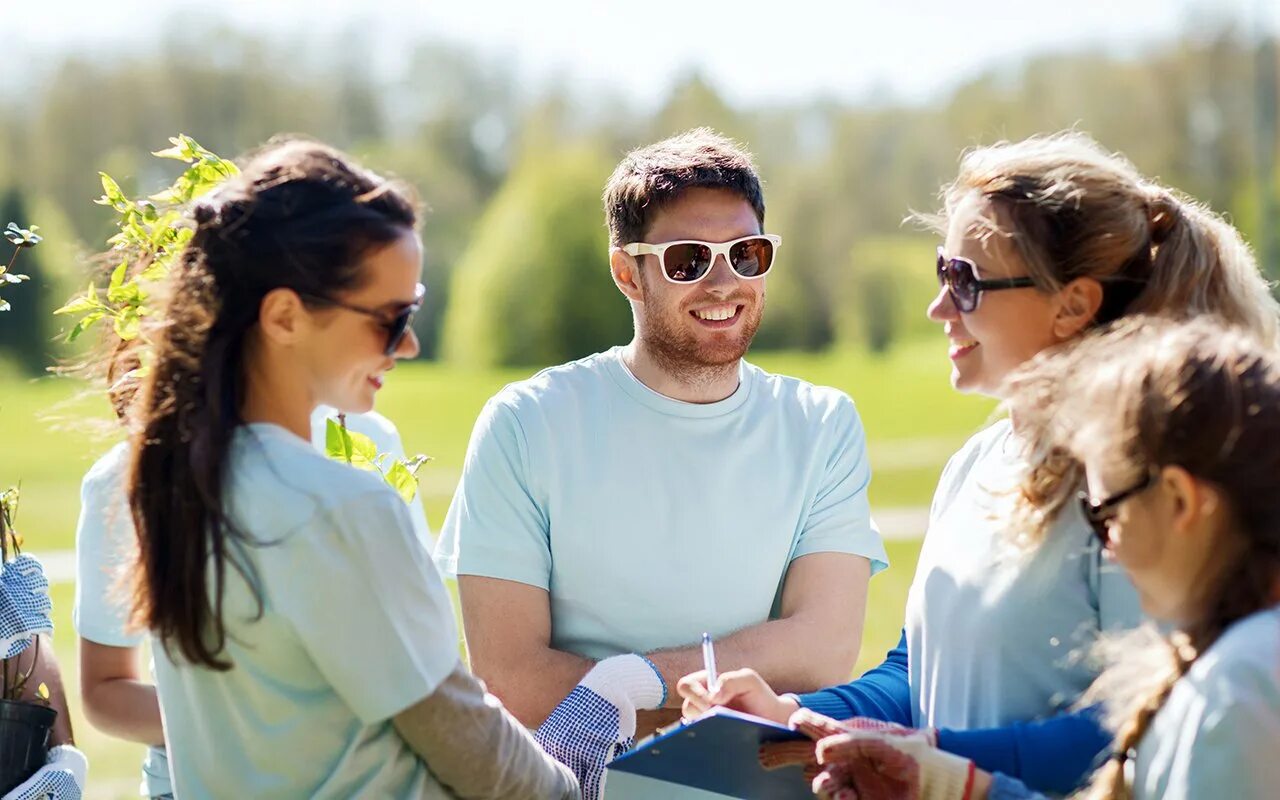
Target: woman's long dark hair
(301,216)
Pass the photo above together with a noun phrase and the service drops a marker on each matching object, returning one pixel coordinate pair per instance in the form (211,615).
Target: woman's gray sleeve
(477,749)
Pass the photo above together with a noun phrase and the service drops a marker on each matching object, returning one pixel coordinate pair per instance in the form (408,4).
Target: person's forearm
(814,642)
(531,683)
(882,693)
(46,672)
(1054,755)
(125,708)
(796,654)
(477,749)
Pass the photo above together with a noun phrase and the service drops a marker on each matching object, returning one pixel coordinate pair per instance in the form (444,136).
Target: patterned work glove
(61,778)
(597,721)
(24,604)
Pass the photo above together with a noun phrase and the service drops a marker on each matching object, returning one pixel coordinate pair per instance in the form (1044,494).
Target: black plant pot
(24,741)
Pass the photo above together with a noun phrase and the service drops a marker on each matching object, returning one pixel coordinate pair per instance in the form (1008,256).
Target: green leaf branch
(358,450)
(21,239)
(151,233)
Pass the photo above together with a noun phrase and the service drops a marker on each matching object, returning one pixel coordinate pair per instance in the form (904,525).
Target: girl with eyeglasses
(1044,239)
(1174,428)
(304,643)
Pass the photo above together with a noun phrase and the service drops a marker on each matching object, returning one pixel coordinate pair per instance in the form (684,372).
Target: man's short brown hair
(650,177)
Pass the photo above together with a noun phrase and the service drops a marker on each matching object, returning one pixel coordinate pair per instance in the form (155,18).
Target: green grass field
(53,431)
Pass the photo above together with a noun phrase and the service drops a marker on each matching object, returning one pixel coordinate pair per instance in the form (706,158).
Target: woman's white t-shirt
(1218,734)
(996,636)
(104,539)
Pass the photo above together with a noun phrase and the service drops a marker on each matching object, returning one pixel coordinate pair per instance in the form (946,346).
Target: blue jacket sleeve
(1050,755)
(882,693)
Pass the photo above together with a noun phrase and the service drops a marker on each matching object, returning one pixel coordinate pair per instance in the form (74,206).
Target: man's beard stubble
(683,357)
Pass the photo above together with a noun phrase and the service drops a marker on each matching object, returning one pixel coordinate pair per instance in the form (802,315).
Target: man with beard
(629,501)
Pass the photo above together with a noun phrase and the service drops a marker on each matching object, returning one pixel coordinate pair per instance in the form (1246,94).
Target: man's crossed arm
(813,643)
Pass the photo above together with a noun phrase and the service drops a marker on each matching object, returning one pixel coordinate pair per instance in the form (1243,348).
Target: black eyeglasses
(1100,514)
(960,278)
(396,326)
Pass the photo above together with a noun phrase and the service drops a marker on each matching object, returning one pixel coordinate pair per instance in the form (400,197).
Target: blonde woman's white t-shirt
(997,636)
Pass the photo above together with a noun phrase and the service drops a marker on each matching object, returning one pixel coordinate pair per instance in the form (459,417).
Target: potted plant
(26,718)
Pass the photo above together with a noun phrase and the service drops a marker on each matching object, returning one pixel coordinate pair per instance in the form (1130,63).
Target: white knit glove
(597,721)
(61,778)
(894,765)
(943,775)
(24,604)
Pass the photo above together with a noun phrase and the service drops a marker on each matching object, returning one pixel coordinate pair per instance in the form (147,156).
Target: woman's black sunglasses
(960,278)
(396,326)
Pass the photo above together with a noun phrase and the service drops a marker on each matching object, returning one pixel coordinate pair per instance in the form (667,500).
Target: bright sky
(753,51)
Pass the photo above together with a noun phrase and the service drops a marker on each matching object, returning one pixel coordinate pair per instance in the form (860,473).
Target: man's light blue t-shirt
(104,538)
(650,520)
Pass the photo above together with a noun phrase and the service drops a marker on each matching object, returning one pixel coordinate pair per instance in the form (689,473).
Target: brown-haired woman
(119,697)
(305,643)
(1175,426)
(1044,239)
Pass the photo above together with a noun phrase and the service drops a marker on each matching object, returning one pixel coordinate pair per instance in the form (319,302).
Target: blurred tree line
(516,262)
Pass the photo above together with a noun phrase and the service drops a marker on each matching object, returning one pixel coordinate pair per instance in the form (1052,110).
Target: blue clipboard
(718,752)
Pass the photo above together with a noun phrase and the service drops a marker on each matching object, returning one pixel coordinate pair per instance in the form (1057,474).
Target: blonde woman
(1175,426)
(1044,239)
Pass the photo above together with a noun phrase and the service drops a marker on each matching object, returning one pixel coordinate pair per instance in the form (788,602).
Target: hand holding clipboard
(718,751)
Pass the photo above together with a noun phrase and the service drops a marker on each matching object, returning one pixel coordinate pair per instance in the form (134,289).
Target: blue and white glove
(24,604)
(597,721)
(61,778)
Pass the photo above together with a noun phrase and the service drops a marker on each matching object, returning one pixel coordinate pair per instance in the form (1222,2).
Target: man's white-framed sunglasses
(690,260)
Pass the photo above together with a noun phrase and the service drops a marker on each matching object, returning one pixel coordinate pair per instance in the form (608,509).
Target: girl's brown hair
(1152,393)
(301,216)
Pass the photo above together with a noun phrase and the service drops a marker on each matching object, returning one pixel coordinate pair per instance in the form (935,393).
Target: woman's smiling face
(1008,327)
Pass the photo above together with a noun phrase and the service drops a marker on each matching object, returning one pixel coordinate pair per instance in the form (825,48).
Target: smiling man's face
(708,324)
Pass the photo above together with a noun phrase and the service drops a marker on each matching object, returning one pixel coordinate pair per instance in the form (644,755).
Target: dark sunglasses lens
(397,329)
(752,257)
(686,262)
(962,283)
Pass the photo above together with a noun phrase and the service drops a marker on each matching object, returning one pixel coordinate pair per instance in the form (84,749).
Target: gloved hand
(24,604)
(597,721)
(776,755)
(61,778)
(872,766)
